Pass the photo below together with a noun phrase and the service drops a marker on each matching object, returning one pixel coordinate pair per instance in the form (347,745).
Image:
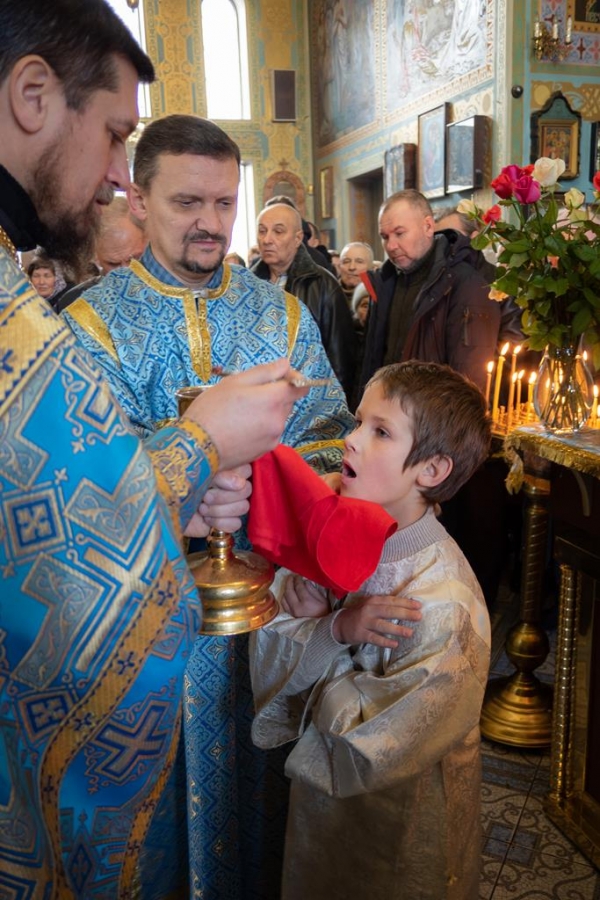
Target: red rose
(526,190)
(503,185)
(596,181)
(492,215)
(527,170)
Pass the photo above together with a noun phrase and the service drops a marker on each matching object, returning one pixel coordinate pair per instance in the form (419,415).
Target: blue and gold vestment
(151,336)
(97,617)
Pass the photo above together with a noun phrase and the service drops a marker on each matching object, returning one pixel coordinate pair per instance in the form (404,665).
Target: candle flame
(595,390)
(517,349)
(521,373)
(490,367)
(504,350)
(533,378)
(514,377)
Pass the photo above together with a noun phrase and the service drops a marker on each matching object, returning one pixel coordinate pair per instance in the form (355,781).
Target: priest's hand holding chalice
(244,415)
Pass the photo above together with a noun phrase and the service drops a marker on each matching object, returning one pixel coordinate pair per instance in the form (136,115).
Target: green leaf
(520,246)
(585,252)
(581,320)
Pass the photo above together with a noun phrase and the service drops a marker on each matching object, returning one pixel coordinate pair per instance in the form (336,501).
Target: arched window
(225,59)
(134,20)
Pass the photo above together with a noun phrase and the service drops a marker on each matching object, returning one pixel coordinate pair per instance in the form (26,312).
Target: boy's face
(374,459)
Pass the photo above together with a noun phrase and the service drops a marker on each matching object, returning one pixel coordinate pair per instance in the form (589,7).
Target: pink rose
(526,190)
(493,214)
(596,181)
(513,172)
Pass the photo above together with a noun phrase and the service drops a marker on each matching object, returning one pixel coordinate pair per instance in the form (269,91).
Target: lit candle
(518,401)
(513,365)
(511,394)
(554,29)
(594,416)
(499,368)
(568,32)
(530,409)
(488,383)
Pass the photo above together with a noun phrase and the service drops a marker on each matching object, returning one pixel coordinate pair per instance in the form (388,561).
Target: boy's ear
(434,471)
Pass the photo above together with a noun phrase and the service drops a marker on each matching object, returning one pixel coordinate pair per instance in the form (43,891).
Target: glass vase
(563,392)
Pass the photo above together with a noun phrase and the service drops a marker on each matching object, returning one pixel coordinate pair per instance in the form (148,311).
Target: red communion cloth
(299,522)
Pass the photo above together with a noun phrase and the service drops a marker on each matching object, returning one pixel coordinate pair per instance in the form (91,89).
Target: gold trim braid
(87,317)
(8,245)
(293,316)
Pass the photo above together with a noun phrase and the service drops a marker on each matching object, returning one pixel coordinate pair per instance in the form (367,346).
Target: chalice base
(517,710)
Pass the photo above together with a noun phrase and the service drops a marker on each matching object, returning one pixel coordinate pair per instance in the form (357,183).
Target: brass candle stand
(517,710)
(233,586)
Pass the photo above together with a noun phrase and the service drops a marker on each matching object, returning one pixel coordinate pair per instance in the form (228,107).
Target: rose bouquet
(549,254)
(549,261)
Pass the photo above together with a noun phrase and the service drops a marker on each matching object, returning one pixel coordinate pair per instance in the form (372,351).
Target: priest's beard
(69,233)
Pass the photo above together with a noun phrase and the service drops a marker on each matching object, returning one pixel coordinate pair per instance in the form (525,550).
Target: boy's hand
(369,621)
(304,598)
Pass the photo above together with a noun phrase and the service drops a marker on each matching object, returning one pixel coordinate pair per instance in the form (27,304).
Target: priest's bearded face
(189,210)
(83,163)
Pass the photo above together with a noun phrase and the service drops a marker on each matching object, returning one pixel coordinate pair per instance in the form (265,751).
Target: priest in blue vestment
(98,611)
(181,317)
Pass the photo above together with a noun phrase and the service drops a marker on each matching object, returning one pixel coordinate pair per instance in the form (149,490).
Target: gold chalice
(233,585)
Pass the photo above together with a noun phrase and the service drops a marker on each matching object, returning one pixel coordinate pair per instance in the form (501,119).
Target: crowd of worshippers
(428,300)
(339,750)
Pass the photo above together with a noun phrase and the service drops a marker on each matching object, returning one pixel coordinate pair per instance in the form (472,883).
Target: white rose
(466,208)
(577,215)
(547,171)
(574,198)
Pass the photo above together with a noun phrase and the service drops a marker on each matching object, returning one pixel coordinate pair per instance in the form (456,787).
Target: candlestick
(488,383)
(568,32)
(554,29)
(499,368)
(530,409)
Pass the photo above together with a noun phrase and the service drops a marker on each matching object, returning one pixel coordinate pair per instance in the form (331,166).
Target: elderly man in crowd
(120,239)
(355,258)
(98,611)
(285,261)
(182,316)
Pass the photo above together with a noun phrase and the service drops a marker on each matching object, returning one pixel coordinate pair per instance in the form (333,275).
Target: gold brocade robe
(385,797)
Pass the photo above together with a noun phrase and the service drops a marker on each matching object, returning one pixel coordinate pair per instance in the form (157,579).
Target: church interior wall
(364,73)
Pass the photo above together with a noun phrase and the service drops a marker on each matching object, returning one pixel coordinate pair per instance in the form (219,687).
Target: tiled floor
(525,856)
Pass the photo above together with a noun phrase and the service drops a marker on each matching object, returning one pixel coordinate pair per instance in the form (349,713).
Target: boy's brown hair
(448,415)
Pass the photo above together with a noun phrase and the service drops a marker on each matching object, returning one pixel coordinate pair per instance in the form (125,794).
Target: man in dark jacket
(285,261)
(432,304)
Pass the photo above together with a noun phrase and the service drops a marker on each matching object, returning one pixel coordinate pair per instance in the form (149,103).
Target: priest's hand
(225,502)
(245,414)
(302,598)
(374,620)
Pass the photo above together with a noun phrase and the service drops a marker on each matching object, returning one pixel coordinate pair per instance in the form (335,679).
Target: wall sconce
(546,44)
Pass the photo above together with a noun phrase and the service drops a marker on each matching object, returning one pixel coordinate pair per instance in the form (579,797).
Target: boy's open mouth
(348,471)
